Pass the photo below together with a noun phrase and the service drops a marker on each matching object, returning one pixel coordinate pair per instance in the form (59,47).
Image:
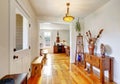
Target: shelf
(79,56)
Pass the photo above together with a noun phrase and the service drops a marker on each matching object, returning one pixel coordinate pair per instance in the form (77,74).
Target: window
(47,36)
(22,25)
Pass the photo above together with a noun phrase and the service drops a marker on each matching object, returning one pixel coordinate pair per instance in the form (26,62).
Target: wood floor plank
(58,70)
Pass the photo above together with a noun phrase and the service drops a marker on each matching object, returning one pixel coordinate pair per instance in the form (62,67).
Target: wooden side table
(18,78)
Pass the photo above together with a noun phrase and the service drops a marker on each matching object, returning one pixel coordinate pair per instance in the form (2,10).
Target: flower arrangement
(92,40)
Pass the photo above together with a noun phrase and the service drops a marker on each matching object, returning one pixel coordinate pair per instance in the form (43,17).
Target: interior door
(19,40)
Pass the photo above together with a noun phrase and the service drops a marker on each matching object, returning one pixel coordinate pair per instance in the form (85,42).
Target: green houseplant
(78,27)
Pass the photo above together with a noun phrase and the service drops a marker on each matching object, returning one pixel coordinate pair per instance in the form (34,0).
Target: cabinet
(79,55)
(55,49)
(58,49)
(67,50)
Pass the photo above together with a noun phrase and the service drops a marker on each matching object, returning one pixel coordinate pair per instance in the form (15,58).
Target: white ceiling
(57,8)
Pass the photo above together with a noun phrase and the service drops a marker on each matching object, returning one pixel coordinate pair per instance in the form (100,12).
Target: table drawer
(95,61)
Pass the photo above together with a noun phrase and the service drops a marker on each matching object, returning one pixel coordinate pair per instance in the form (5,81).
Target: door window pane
(22,29)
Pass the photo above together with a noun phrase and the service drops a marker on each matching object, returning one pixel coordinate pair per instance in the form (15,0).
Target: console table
(101,63)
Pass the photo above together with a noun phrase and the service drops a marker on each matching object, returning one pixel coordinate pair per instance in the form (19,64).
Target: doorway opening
(55,37)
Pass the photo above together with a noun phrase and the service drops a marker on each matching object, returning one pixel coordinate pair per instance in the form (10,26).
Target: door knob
(15,57)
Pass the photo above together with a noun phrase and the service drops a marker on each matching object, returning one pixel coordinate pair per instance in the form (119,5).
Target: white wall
(72,42)
(108,18)
(4,37)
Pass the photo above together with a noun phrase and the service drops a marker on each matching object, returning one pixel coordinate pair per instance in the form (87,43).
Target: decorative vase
(91,49)
(79,58)
(102,49)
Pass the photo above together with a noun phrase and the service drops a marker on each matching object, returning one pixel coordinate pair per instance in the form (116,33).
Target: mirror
(22,25)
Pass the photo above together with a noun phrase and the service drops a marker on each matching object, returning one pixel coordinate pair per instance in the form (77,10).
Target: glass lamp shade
(68,18)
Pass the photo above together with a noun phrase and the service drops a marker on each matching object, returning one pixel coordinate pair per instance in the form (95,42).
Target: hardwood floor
(58,70)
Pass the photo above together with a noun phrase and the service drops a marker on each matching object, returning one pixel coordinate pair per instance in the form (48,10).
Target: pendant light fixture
(68,18)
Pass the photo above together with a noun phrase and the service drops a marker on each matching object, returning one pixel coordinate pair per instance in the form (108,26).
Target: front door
(19,39)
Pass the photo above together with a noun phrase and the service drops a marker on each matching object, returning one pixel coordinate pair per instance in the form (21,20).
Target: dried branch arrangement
(92,40)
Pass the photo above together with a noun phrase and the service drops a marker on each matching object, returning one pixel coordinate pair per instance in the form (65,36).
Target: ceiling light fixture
(68,18)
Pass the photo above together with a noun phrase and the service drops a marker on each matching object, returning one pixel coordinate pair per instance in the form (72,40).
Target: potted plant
(78,27)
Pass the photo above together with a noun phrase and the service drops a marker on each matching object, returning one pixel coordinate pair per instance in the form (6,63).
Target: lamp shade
(68,18)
